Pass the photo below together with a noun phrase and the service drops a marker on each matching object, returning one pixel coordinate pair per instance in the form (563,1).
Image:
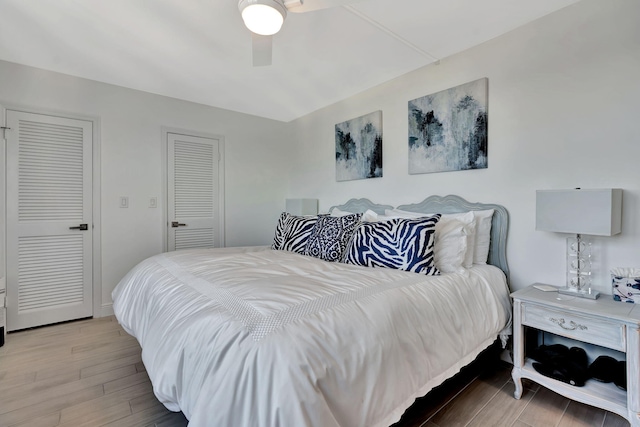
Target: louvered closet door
(49,191)
(193,192)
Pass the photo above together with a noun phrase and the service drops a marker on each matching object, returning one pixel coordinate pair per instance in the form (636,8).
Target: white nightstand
(602,322)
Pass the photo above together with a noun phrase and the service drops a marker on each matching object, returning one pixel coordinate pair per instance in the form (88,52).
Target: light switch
(124,201)
(153,202)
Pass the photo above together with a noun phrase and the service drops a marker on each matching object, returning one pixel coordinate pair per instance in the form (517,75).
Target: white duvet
(257,337)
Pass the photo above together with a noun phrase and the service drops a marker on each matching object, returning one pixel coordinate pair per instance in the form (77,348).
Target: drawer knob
(572,325)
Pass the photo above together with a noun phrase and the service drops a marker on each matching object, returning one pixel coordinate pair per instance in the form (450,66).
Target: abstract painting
(448,129)
(359,148)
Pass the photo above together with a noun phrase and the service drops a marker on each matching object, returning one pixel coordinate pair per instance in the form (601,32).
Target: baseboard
(105,310)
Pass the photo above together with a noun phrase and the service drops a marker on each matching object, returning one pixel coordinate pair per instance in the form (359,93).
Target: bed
(254,336)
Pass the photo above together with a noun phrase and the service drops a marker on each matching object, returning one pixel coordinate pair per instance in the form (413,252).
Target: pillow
(469,230)
(398,243)
(330,236)
(281,226)
(483,235)
(460,244)
(397,213)
(338,212)
(371,216)
(450,247)
(368,215)
(292,232)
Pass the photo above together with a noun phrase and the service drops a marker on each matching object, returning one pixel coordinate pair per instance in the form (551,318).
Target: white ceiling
(200,51)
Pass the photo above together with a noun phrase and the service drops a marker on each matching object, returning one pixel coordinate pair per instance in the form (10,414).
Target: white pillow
(380,218)
(338,212)
(367,216)
(483,235)
(397,213)
(468,219)
(450,245)
(371,216)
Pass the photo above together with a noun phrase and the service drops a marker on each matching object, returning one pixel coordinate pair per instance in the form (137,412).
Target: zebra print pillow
(331,235)
(292,232)
(399,243)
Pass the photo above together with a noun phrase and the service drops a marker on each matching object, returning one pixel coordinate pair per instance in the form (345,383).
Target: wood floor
(89,373)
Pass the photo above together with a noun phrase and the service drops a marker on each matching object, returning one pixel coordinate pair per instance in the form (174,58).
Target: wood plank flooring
(89,373)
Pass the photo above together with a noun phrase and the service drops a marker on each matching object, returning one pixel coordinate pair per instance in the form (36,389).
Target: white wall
(564,108)
(131,127)
(564,111)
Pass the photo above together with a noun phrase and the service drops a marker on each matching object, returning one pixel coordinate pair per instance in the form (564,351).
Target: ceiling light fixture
(263,17)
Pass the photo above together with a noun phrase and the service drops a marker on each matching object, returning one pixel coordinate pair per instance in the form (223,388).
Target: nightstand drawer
(582,328)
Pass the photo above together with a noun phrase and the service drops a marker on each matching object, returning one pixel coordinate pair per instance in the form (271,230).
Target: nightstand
(602,322)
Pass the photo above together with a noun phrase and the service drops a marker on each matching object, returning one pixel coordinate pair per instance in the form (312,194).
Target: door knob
(176,224)
(80,227)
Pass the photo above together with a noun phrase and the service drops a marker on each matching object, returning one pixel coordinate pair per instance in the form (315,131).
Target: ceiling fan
(264,18)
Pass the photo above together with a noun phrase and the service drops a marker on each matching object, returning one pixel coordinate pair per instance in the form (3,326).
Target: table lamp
(596,212)
(301,206)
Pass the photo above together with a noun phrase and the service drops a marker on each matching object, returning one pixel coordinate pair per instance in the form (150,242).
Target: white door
(193,208)
(49,227)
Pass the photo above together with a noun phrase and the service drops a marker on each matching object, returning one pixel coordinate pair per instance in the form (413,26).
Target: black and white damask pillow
(399,243)
(292,232)
(330,236)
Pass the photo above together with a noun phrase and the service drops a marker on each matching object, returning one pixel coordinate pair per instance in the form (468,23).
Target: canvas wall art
(359,148)
(448,129)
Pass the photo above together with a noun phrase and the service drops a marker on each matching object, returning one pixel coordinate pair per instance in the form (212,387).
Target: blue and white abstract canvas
(448,129)
(359,148)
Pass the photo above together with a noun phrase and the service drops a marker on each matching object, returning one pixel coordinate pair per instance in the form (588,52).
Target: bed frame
(445,205)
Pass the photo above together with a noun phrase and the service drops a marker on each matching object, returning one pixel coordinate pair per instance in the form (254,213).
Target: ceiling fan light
(264,17)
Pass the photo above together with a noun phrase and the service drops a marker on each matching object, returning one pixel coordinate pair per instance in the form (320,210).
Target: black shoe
(570,368)
(545,353)
(578,366)
(550,369)
(620,375)
(603,369)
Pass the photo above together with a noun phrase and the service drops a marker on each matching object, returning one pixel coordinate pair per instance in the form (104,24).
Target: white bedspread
(256,337)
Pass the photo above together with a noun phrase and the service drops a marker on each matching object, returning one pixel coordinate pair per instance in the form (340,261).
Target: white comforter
(256,337)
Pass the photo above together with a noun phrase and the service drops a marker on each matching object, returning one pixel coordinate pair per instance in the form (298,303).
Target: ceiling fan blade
(296,6)
(261,48)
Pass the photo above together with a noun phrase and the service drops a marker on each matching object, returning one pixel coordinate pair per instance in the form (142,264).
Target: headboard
(451,204)
(361,205)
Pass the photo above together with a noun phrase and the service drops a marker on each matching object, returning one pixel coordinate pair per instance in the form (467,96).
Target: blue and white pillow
(292,232)
(330,236)
(399,243)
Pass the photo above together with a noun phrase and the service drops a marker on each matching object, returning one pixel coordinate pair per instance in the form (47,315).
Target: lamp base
(586,293)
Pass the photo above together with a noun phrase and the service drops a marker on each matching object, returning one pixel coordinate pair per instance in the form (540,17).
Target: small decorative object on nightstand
(592,212)
(602,322)
(625,284)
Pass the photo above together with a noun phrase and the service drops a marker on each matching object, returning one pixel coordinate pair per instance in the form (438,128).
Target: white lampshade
(593,212)
(263,17)
(302,206)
